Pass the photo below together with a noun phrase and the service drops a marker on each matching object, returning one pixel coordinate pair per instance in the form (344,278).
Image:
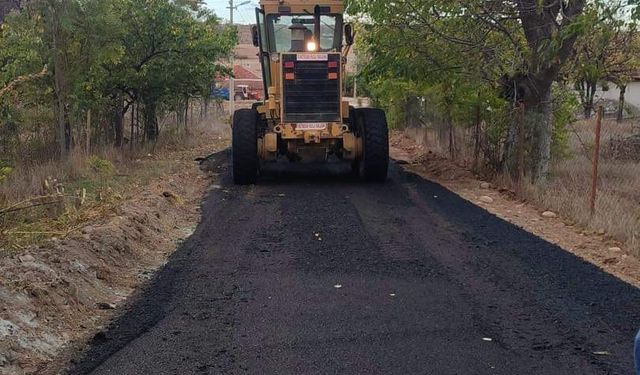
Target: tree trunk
(150,120)
(59,75)
(452,139)
(186,115)
(589,98)
(545,136)
(509,158)
(138,125)
(412,113)
(621,102)
(87,145)
(180,114)
(542,22)
(118,120)
(61,123)
(133,117)
(190,106)
(68,131)
(476,146)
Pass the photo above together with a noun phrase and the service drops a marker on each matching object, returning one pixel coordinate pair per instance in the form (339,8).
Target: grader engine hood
(311,87)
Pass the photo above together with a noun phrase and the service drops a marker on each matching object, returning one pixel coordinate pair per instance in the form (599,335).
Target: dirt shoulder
(597,248)
(65,290)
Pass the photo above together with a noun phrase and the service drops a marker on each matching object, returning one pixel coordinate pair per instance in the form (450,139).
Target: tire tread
(376,144)
(245,147)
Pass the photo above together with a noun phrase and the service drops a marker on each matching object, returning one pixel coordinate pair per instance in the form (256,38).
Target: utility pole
(232,81)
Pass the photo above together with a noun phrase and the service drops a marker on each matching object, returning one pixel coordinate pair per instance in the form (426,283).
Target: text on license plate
(312,126)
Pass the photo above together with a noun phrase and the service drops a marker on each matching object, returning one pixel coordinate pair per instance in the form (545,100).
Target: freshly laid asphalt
(318,273)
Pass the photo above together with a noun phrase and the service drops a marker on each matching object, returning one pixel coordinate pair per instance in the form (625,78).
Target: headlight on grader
(312,47)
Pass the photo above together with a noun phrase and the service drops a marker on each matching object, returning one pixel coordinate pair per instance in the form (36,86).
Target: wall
(632,95)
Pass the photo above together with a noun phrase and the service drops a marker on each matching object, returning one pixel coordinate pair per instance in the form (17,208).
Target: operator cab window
(284,27)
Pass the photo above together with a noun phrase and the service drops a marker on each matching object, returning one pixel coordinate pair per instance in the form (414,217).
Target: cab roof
(300,6)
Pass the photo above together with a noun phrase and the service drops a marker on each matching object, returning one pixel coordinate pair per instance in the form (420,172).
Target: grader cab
(303,48)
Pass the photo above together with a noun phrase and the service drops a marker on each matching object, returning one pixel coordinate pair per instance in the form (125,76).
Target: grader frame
(303,48)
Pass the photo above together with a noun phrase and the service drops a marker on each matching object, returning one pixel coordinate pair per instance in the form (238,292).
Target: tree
(63,59)
(606,53)
(524,42)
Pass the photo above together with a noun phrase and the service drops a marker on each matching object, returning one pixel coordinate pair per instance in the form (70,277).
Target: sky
(244,14)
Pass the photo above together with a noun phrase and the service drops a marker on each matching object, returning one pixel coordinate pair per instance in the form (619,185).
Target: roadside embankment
(65,289)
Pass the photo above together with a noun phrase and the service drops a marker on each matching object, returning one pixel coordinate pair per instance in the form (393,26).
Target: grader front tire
(373,128)
(245,147)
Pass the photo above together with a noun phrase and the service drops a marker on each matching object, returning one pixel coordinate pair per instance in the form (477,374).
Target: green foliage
(60,59)
(565,107)
(101,167)
(363,89)
(5,171)
(463,56)
(607,51)
(391,95)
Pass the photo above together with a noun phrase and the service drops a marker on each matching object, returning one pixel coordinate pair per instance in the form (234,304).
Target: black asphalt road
(320,274)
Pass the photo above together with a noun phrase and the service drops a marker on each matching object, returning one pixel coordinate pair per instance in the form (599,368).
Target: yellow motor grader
(303,46)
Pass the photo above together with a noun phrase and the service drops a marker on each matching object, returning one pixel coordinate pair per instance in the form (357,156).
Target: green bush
(101,167)
(5,171)
(565,107)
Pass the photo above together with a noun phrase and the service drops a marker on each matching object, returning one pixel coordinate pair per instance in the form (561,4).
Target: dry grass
(567,192)
(617,210)
(99,181)
(618,199)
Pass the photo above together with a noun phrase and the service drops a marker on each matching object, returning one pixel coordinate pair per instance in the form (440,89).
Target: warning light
(312,46)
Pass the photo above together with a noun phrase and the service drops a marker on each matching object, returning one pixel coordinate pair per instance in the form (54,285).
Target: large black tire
(372,127)
(353,125)
(245,147)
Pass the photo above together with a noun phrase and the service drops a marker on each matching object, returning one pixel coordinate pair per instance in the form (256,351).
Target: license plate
(313,57)
(311,126)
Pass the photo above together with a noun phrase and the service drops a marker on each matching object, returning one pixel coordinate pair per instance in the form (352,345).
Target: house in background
(612,92)
(249,80)
(246,67)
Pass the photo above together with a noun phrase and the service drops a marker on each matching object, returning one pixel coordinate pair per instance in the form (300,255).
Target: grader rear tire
(245,147)
(372,126)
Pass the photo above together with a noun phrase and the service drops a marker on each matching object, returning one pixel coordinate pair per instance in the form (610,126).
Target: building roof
(244,74)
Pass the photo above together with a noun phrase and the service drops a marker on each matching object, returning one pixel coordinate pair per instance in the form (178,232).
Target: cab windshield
(284,28)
